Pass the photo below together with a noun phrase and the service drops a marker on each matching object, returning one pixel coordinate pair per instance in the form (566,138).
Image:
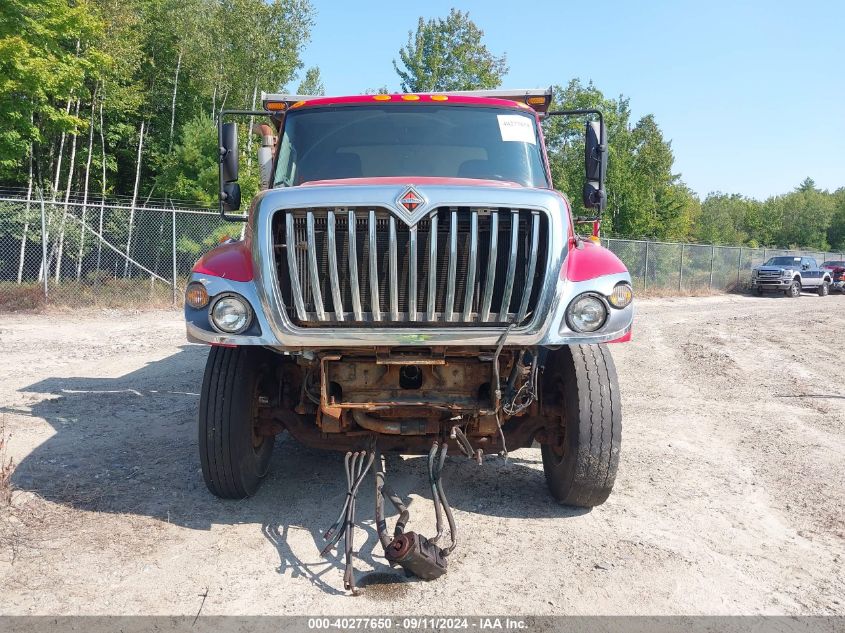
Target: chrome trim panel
(473,255)
(334,278)
(412,273)
(431,268)
(394,272)
(312,267)
(509,276)
(372,256)
(453,263)
(353,267)
(491,268)
(532,266)
(291,249)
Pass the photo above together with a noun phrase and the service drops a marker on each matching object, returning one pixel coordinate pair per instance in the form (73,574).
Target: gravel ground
(729,498)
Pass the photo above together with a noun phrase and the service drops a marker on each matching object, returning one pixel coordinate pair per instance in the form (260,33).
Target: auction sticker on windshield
(515,127)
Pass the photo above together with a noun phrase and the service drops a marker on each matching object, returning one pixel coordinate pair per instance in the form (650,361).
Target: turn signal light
(275,106)
(621,296)
(196,295)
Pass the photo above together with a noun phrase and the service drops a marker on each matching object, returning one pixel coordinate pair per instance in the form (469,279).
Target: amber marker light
(196,295)
(275,106)
(410,97)
(439,98)
(381,97)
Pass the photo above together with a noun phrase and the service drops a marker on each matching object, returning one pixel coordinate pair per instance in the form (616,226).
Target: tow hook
(417,555)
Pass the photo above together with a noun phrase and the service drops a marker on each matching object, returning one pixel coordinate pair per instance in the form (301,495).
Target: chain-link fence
(101,252)
(113,253)
(690,268)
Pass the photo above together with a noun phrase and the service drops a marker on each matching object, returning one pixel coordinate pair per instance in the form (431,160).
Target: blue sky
(751,94)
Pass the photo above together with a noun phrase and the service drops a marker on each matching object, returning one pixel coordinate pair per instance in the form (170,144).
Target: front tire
(794,290)
(234,457)
(580,463)
(824,289)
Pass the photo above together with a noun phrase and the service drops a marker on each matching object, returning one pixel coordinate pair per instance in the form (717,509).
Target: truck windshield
(454,141)
(783,261)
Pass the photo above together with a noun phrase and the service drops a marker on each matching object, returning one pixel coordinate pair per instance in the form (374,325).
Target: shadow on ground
(128,445)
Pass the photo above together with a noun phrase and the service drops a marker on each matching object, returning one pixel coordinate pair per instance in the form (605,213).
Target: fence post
(738,267)
(645,268)
(681,270)
(173,242)
(43,241)
(712,257)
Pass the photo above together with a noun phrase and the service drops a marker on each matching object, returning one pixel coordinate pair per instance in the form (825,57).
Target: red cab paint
(229,261)
(622,339)
(408,99)
(591,261)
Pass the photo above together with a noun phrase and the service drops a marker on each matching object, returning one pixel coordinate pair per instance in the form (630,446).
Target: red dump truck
(410,281)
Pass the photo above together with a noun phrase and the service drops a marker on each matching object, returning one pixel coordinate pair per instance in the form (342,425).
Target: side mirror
(593,196)
(229,152)
(230,196)
(595,165)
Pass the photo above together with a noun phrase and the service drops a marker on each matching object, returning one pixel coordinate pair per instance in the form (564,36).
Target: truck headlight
(586,313)
(230,314)
(621,296)
(786,273)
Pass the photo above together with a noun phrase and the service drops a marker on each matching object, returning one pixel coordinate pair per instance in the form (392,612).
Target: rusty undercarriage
(408,398)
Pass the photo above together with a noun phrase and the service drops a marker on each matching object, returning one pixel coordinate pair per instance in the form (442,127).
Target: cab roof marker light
(439,98)
(410,97)
(275,106)
(381,97)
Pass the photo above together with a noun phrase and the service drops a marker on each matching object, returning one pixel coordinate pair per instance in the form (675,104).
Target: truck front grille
(351,266)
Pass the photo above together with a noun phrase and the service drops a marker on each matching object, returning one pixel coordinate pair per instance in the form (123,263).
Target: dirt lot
(729,498)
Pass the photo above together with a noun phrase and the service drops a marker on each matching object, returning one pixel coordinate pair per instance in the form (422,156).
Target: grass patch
(15,298)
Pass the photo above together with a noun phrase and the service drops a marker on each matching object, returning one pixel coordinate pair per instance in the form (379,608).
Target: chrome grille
(463,265)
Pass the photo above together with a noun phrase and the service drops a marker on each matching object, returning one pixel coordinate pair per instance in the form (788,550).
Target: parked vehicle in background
(837,274)
(790,274)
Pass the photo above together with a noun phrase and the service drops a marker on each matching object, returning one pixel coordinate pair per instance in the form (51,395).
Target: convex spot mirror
(231,196)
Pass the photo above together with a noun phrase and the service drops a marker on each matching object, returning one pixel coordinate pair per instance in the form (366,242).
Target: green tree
(448,54)
(46,50)
(644,197)
(312,83)
(802,218)
(836,232)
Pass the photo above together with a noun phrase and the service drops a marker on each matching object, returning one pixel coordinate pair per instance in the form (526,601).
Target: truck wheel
(233,456)
(794,289)
(580,464)
(824,289)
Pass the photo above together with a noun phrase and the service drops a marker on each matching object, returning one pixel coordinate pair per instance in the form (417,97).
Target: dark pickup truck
(791,274)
